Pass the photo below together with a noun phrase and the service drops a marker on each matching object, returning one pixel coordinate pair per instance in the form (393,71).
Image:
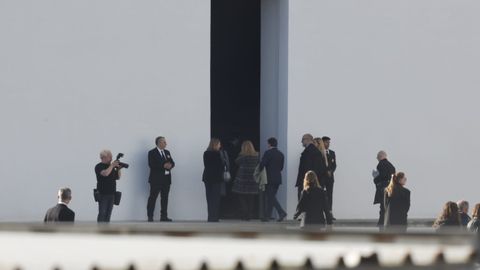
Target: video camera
(121,164)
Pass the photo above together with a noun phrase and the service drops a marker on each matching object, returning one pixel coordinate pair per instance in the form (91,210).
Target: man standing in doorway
(273,161)
(161,163)
(382,177)
(331,167)
(310,160)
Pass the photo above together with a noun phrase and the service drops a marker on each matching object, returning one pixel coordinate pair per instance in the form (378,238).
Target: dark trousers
(156,189)
(329,188)
(247,205)
(213,193)
(381,219)
(105,207)
(272,202)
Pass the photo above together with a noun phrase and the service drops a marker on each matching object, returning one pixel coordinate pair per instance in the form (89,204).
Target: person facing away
(310,160)
(397,202)
(61,212)
(463,210)
(244,184)
(331,167)
(107,173)
(312,203)
(161,164)
(212,177)
(382,177)
(474,224)
(449,219)
(273,161)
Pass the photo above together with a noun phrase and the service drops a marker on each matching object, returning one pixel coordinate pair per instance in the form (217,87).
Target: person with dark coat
(61,212)
(449,219)
(382,177)
(313,203)
(244,184)
(331,167)
(474,224)
(273,161)
(213,178)
(310,160)
(463,208)
(397,203)
(161,164)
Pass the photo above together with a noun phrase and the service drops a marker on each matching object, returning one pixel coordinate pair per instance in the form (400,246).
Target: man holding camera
(108,173)
(161,163)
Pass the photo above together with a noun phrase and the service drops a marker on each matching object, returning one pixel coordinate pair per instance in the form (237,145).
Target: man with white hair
(463,209)
(382,177)
(107,173)
(61,212)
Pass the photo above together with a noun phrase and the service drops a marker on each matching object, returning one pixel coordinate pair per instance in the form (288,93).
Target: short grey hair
(462,204)
(381,154)
(65,194)
(105,153)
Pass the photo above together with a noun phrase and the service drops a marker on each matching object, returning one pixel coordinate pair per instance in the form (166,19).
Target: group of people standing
(254,176)
(454,216)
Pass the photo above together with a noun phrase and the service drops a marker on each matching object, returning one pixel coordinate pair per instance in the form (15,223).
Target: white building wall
(395,75)
(80,76)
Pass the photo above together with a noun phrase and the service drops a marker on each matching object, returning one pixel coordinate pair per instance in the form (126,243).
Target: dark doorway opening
(235,80)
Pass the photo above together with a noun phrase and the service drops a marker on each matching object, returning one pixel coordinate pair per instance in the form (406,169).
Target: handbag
(117,197)
(226,176)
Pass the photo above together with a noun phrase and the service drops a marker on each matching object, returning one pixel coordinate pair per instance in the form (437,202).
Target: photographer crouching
(106,194)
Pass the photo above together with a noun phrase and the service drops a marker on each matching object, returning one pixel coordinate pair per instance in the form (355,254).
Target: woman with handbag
(245,185)
(213,175)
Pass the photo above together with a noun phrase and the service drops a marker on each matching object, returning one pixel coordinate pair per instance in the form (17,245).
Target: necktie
(163,154)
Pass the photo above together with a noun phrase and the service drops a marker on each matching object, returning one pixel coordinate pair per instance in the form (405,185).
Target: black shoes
(282,217)
(150,219)
(166,219)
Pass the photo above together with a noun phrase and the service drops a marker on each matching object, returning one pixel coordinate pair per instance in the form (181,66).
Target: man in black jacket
(273,161)
(161,163)
(382,177)
(310,160)
(331,167)
(61,212)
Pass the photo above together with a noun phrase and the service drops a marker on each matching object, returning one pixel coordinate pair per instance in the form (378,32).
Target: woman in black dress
(213,178)
(397,203)
(313,203)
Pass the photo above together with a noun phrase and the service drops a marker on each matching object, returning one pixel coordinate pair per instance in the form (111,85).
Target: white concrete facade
(80,76)
(394,75)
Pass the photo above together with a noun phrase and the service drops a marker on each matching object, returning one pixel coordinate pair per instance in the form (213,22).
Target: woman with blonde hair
(474,224)
(313,203)
(449,218)
(397,202)
(244,184)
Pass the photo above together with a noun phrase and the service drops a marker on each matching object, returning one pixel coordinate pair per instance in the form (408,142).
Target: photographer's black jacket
(106,185)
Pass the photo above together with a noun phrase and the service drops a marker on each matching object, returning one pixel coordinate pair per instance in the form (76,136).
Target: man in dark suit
(382,177)
(161,163)
(331,167)
(61,212)
(273,161)
(310,160)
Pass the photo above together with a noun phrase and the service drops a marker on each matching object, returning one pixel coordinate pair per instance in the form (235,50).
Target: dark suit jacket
(313,204)
(273,161)
(157,171)
(59,213)
(396,207)
(214,167)
(332,163)
(311,160)
(385,170)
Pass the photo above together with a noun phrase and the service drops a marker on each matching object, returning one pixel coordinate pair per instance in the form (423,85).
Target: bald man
(310,160)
